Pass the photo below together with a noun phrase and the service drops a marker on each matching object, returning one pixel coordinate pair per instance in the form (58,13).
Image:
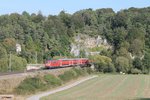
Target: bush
(100,62)
(74,73)
(89,70)
(30,85)
(68,75)
(79,71)
(145,72)
(110,69)
(18,63)
(52,80)
(135,71)
(122,64)
(4,65)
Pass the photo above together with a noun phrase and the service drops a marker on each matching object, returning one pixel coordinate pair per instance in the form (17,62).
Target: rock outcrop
(85,42)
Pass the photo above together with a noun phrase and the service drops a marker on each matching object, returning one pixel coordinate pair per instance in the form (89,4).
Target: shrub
(18,63)
(135,71)
(122,64)
(110,69)
(145,72)
(3,65)
(89,70)
(100,62)
(79,71)
(68,75)
(30,85)
(52,80)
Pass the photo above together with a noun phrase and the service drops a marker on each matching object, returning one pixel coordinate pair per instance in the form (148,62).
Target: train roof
(69,59)
(72,58)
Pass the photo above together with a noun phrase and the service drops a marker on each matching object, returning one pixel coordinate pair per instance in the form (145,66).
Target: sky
(53,7)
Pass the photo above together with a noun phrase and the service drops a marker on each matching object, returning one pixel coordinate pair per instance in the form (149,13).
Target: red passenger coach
(66,62)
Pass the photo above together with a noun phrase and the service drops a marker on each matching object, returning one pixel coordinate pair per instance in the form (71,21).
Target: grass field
(108,87)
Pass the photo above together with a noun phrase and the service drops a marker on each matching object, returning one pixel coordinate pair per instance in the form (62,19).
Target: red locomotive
(66,62)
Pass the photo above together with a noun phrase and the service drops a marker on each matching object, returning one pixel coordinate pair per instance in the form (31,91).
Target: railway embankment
(38,83)
(24,84)
(10,81)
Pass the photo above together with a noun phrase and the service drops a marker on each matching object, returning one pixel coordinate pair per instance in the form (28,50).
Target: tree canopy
(128,31)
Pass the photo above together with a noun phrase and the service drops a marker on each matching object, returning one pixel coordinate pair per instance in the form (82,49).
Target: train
(66,62)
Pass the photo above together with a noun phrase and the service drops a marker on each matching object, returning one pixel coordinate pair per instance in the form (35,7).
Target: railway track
(20,72)
(54,71)
(32,71)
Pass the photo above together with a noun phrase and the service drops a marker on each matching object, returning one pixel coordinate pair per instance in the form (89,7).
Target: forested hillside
(128,31)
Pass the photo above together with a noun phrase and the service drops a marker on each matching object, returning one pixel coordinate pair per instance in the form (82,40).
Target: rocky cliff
(86,43)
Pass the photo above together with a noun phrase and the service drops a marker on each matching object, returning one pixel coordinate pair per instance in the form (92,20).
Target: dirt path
(38,96)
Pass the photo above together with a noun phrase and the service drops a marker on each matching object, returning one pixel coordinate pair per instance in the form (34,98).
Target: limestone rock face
(85,42)
(75,50)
